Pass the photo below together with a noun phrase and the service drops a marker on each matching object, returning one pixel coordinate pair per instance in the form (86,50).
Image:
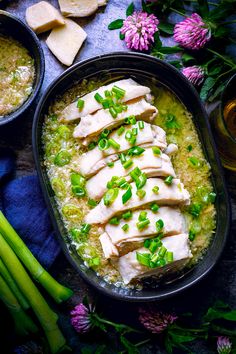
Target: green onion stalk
(23,323)
(56,290)
(12,285)
(47,318)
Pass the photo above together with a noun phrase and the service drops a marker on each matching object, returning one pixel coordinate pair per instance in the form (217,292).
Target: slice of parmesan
(42,17)
(65,41)
(75,8)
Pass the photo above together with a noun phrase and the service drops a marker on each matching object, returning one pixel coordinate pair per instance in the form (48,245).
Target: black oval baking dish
(138,66)
(14,27)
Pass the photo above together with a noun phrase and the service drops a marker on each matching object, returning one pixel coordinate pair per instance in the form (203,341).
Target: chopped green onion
(156,150)
(124,185)
(120,181)
(135,131)
(154,207)
(118,108)
(62,158)
(124,107)
(122,158)
(105,104)
(132,120)
(141,124)
(168,180)
(159,225)
(127,195)
(135,151)
(191,235)
(118,91)
(141,193)
(142,224)
(75,233)
(155,189)
(125,227)
(135,173)
(110,196)
(107,93)
(147,243)
(77,179)
(154,258)
(103,144)
(211,197)
(114,221)
(78,191)
(113,112)
(114,144)
(127,215)
(161,262)
(80,104)
(92,203)
(120,131)
(128,135)
(195,209)
(105,133)
(132,140)
(143,258)
(126,120)
(153,246)
(142,216)
(98,97)
(85,228)
(91,145)
(162,251)
(141,181)
(110,164)
(169,256)
(194,162)
(171,122)
(95,261)
(127,164)
(189,148)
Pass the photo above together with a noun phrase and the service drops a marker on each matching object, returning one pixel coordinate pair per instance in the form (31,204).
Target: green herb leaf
(116,24)
(167,28)
(187,58)
(170,50)
(130,347)
(130,9)
(206,87)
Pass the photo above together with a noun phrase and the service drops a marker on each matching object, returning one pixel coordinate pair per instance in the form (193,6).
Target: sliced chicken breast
(173,194)
(130,269)
(174,224)
(109,250)
(152,165)
(92,161)
(94,124)
(132,90)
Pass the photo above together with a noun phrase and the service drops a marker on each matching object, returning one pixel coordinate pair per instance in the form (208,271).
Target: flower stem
(56,290)
(46,317)
(113,324)
(228,22)
(221,57)
(23,323)
(178,12)
(224,331)
(13,287)
(139,344)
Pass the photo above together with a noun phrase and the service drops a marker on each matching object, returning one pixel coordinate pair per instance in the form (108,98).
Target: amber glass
(223,123)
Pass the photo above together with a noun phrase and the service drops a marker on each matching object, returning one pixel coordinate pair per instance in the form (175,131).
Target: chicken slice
(167,195)
(132,90)
(130,269)
(174,224)
(109,250)
(152,165)
(94,124)
(92,161)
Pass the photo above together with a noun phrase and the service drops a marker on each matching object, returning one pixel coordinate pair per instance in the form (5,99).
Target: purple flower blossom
(195,74)
(81,318)
(192,33)
(139,29)
(224,345)
(156,322)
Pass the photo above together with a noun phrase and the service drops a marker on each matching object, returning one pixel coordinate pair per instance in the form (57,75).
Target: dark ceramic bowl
(12,26)
(142,67)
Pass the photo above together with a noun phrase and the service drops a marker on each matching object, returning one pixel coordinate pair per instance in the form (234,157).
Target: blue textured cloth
(22,203)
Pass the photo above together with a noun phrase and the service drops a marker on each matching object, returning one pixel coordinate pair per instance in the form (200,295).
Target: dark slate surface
(220,284)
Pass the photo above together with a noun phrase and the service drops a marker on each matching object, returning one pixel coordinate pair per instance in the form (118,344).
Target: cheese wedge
(65,41)
(42,17)
(75,8)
